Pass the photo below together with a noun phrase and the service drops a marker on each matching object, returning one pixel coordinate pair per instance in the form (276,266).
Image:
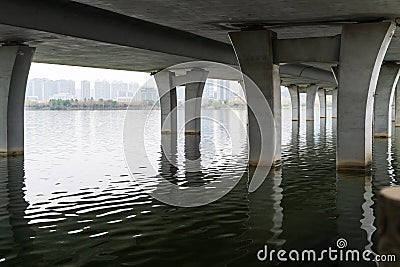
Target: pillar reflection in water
(334,127)
(168,162)
(322,131)
(15,235)
(294,140)
(382,167)
(349,201)
(310,135)
(192,162)
(266,213)
(396,153)
(383,170)
(355,215)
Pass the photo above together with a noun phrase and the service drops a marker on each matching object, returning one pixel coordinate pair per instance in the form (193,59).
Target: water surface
(72,202)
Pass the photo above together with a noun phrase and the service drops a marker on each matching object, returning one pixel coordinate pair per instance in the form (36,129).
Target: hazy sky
(78,74)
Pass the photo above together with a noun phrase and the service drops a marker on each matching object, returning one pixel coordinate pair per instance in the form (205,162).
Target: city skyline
(78,74)
(44,89)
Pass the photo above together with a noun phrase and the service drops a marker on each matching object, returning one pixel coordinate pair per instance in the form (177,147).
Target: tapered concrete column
(362,50)
(14,70)
(322,103)
(387,81)
(310,102)
(168,101)
(334,103)
(254,52)
(397,106)
(295,99)
(193,94)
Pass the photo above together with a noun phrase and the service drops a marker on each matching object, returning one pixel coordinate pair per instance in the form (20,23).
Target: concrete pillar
(387,81)
(310,102)
(14,70)
(392,108)
(397,106)
(193,94)
(322,103)
(362,50)
(168,162)
(388,224)
(295,99)
(168,101)
(334,103)
(255,55)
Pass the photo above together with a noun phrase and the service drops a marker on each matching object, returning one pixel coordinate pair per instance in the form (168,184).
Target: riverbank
(71,104)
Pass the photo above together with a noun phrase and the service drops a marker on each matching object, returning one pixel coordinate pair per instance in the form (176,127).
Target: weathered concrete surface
(386,86)
(193,94)
(356,95)
(290,19)
(168,101)
(322,103)
(254,52)
(334,103)
(295,100)
(14,70)
(397,106)
(310,102)
(388,224)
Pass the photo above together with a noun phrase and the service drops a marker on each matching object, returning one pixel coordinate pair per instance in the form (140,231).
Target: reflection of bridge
(355,40)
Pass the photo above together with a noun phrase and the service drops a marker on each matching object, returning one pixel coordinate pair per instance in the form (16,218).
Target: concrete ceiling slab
(212,19)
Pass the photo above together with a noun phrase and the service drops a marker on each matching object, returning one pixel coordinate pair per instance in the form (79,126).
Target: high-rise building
(148,92)
(118,89)
(85,90)
(133,87)
(102,90)
(29,89)
(66,87)
(208,92)
(50,89)
(36,88)
(223,91)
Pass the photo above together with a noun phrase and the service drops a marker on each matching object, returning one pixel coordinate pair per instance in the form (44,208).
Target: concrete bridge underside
(305,40)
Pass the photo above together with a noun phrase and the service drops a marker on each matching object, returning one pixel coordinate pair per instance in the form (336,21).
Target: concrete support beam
(397,105)
(14,70)
(254,52)
(322,103)
(363,48)
(168,101)
(387,81)
(193,94)
(299,50)
(308,72)
(295,99)
(311,94)
(334,103)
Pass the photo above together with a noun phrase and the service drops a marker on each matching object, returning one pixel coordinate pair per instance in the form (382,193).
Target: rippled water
(72,202)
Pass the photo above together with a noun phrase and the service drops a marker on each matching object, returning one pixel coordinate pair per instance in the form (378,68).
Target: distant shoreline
(71,104)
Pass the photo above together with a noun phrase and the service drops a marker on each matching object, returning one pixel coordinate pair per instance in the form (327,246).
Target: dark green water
(71,201)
